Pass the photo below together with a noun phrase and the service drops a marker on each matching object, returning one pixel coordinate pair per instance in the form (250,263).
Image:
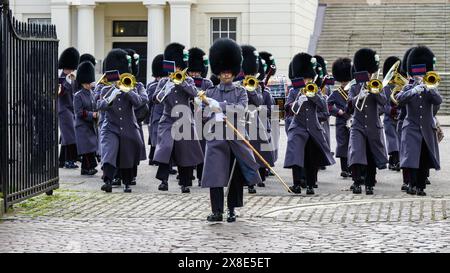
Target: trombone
(178,77)
(374,86)
(310,90)
(127,82)
(250,83)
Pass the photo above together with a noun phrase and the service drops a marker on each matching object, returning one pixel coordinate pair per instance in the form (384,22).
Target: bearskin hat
(88,57)
(134,61)
(388,63)
(404,64)
(225,55)
(198,61)
(268,58)
(118,59)
(290,75)
(85,72)
(250,64)
(261,69)
(302,66)
(366,59)
(157,66)
(422,55)
(176,52)
(214,79)
(342,70)
(69,59)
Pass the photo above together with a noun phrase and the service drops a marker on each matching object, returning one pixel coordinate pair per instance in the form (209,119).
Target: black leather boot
(133,182)
(369,190)
(310,190)
(404,187)
(107,186)
(126,188)
(261,184)
(411,190)
(164,186)
(117,182)
(421,192)
(344,174)
(185,189)
(215,217)
(297,189)
(231,215)
(251,189)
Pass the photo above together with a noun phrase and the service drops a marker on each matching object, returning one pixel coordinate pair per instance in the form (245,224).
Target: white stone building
(282,27)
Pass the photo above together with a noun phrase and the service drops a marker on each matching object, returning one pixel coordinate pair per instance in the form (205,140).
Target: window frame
(114,22)
(220,32)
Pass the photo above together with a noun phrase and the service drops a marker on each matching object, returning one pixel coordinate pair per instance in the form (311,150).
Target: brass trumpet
(178,77)
(127,82)
(374,86)
(250,83)
(431,79)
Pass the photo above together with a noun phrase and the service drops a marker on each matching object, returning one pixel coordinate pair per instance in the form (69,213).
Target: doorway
(141,49)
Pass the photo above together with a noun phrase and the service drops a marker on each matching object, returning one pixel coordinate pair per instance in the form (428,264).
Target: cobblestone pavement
(80,218)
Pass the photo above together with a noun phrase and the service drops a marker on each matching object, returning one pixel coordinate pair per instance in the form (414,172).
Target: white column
(180,22)
(99,15)
(60,13)
(155,36)
(86,29)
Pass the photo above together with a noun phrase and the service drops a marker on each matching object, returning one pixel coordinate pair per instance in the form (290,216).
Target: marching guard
(419,144)
(390,119)
(228,161)
(68,62)
(337,106)
(307,147)
(366,145)
(121,140)
(198,69)
(86,118)
(177,93)
(156,109)
(250,71)
(325,89)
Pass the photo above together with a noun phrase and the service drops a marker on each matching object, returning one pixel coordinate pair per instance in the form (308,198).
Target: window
(40,21)
(130,28)
(223,28)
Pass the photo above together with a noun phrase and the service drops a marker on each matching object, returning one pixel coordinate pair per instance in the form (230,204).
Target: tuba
(395,78)
(250,83)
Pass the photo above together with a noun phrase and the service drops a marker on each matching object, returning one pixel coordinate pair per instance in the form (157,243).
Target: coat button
(420,96)
(121,128)
(365,126)
(176,101)
(420,116)
(118,99)
(120,109)
(365,116)
(420,106)
(120,118)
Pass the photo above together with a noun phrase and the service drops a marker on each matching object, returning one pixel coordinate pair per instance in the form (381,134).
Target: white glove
(214,105)
(109,99)
(418,89)
(198,101)
(363,93)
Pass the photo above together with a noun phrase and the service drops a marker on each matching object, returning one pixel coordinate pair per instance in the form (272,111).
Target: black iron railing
(28,113)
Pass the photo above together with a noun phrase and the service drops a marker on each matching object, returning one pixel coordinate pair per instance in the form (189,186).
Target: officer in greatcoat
(322,73)
(250,67)
(68,62)
(228,161)
(141,112)
(198,70)
(419,144)
(121,140)
(307,147)
(184,148)
(86,118)
(390,119)
(367,150)
(337,104)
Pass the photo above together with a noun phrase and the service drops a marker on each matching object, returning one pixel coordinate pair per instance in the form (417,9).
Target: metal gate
(28,114)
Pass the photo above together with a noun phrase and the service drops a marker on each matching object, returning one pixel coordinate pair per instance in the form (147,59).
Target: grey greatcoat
(216,170)
(366,128)
(324,117)
(335,103)
(66,115)
(257,128)
(271,155)
(288,115)
(85,124)
(203,86)
(140,89)
(188,152)
(306,125)
(156,111)
(419,124)
(390,125)
(97,95)
(120,137)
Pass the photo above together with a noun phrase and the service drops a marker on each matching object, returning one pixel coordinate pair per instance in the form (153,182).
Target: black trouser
(235,198)
(394,158)
(262,173)
(68,153)
(88,161)
(199,169)
(110,172)
(406,176)
(418,176)
(344,164)
(184,173)
(151,154)
(365,174)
